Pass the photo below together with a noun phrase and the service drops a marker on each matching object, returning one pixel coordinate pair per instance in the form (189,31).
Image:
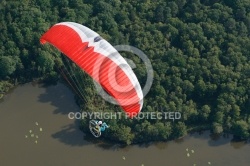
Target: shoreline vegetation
(199,50)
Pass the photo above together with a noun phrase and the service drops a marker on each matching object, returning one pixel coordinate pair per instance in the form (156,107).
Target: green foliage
(124,134)
(45,62)
(217,128)
(7,66)
(241,129)
(205,111)
(5,86)
(199,51)
(51,78)
(179,130)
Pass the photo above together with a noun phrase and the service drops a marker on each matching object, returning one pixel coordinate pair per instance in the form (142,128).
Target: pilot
(102,125)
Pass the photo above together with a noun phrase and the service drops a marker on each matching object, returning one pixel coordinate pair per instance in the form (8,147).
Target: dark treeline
(199,49)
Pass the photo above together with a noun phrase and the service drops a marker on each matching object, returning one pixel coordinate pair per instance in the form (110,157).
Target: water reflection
(161,145)
(70,135)
(179,140)
(236,144)
(61,97)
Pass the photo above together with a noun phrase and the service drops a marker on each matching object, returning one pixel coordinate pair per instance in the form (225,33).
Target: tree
(7,66)
(174,8)
(179,130)
(164,131)
(45,62)
(241,129)
(205,111)
(124,135)
(159,14)
(217,128)
(181,3)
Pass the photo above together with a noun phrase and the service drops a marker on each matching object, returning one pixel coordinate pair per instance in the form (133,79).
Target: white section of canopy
(106,49)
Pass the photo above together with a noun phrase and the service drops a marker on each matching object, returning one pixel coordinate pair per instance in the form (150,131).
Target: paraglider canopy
(100,60)
(97,39)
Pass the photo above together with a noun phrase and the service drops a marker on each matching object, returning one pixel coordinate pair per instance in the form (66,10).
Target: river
(36,131)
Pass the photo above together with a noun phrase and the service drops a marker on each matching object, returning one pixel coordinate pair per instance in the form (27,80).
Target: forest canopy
(199,49)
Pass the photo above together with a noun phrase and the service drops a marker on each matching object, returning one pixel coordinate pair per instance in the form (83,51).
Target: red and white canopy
(100,60)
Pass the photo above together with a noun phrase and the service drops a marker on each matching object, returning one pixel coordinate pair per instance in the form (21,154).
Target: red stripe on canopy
(69,42)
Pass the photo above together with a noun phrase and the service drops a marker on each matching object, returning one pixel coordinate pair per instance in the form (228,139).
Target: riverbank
(5,87)
(61,142)
(109,135)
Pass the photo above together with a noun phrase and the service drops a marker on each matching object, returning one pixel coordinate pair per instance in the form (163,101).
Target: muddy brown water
(61,143)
